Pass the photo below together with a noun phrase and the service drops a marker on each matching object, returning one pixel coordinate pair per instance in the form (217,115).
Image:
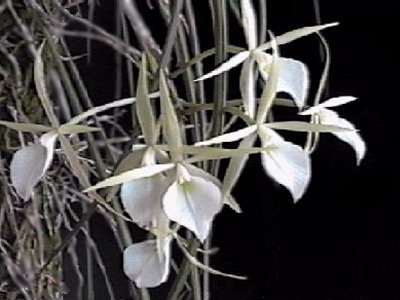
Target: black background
(341,241)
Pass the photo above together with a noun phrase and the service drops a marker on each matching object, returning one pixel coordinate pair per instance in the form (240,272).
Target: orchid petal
(132,160)
(144,110)
(333,102)
(127,176)
(26,127)
(229,137)
(235,167)
(29,165)
(294,80)
(228,198)
(307,127)
(141,199)
(143,265)
(169,119)
(268,65)
(226,66)
(193,204)
(48,140)
(293,35)
(26,169)
(249,23)
(287,163)
(337,101)
(353,138)
(247,88)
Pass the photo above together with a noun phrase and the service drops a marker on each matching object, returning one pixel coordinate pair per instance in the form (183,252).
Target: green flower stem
(171,36)
(195,47)
(220,96)
(184,271)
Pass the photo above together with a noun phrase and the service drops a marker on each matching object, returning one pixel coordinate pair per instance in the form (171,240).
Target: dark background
(342,240)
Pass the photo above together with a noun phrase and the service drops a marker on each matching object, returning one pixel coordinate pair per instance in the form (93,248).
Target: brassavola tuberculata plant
(167,183)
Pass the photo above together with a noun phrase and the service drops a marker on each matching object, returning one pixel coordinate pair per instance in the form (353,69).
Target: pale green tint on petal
(232,62)
(286,163)
(26,169)
(74,129)
(247,87)
(193,204)
(26,127)
(143,265)
(337,101)
(141,199)
(40,84)
(235,168)
(307,127)
(127,176)
(229,137)
(171,129)
(99,109)
(293,35)
(144,110)
(249,22)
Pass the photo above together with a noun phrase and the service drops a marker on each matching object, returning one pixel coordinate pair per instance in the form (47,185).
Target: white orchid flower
(283,161)
(278,156)
(30,163)
(326,116)
(192,201)
(293,78)
(187,195)
(144,265)
(141,197)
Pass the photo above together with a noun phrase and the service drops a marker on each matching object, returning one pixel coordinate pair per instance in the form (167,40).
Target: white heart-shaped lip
(30,163)
(145,266)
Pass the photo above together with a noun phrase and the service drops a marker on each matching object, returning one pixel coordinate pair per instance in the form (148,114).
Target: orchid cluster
(166,189)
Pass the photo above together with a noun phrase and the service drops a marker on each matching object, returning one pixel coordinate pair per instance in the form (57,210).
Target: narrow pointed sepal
(232,62)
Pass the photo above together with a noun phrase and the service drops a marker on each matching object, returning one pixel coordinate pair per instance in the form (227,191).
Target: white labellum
(141,199)
(144,266)
(286,163)
(30,163)
(193,203)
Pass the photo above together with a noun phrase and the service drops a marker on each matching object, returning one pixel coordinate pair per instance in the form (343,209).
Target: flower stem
(184,271)
(220,95)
